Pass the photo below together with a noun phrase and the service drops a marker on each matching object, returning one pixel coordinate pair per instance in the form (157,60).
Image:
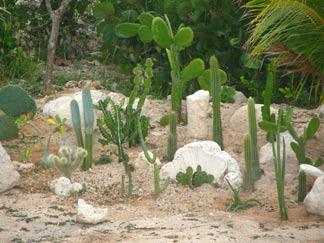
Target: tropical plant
(293,32)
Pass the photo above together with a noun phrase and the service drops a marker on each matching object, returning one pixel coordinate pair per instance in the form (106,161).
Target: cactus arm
(216,96)
(88,121)
(76,121)
(172,137)
(248,181)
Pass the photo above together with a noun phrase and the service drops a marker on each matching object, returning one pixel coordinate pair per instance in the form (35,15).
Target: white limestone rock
(63,187)
(212,160)
(9,177)
(197,107)
(87,214)
(239,97)
(266,154)
(310,170)
(314,201)
(142,162)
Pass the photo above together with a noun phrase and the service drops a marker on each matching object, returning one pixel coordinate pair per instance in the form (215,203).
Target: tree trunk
(56,17)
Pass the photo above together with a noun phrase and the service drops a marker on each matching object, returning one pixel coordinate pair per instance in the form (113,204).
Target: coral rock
(63,187)
(210,157)
(87,214)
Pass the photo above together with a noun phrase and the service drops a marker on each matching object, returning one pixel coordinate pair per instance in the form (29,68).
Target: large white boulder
(197,107)
(314,201)
(87,214)
(63,187)
(212,160)
(9,177)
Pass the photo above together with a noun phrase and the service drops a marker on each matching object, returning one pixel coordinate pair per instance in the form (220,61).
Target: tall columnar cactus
(216,96)
(172,136)
(88,124)
(248,182)
(64,163)
(254,138)
(302,187)
(280,167)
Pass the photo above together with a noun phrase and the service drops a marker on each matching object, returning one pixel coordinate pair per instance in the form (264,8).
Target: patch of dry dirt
(32,213)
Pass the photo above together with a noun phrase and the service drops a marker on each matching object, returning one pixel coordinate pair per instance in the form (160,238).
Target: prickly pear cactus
(8,128)
(15,101)
(161,33)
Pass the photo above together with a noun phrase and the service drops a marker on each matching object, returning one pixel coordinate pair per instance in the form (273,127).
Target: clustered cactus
(88,123)
(64,163)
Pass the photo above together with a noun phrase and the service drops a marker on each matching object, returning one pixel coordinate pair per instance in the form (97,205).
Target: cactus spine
(172,137)
(65,164)
(248,182)
(88,123)
(253,136)
(302,186)
(216,96)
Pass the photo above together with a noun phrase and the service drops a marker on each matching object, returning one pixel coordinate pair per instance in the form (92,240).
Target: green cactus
(88,125)
(204,79)
(64,163)
(15,101)
(172,136)
(127,30)
(248,182)
(8,128)
(254,139)
(194,179)
(184,37)
(216,97)
(302,186)
(299,147)
(157,188)
(162,34)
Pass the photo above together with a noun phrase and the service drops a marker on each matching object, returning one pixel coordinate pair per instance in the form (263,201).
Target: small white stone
(63,187)
(87,214)
(314,201)
(239,97)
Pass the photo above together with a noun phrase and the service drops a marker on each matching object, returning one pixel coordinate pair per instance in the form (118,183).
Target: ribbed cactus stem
(172,137)
(65,164)
(88,122)
(302,186)
(248,181)
(253,136)
(76,121)
(216,97)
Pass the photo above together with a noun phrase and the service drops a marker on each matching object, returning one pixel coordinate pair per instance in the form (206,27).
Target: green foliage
(254,139)
(302,187)
(279,167)
(215,79)
(15,101)
(164,120)
(238,204)
(227,94)
(65,164)
(194,179)
(88,125)
(299,147)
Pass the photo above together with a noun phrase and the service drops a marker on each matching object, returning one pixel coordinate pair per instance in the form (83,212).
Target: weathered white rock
(314,201)
(9,177)
(311,170)
(22,166)
(210,157)
(63,187)
(239,97)
(142,162)
(71,84)
(87,214)
(197,106)
(266,154)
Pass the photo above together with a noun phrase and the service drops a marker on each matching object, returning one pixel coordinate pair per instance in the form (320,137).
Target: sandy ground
(32,213)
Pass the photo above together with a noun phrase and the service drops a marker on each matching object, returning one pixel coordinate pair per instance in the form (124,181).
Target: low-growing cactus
(65,164)
(194,179)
